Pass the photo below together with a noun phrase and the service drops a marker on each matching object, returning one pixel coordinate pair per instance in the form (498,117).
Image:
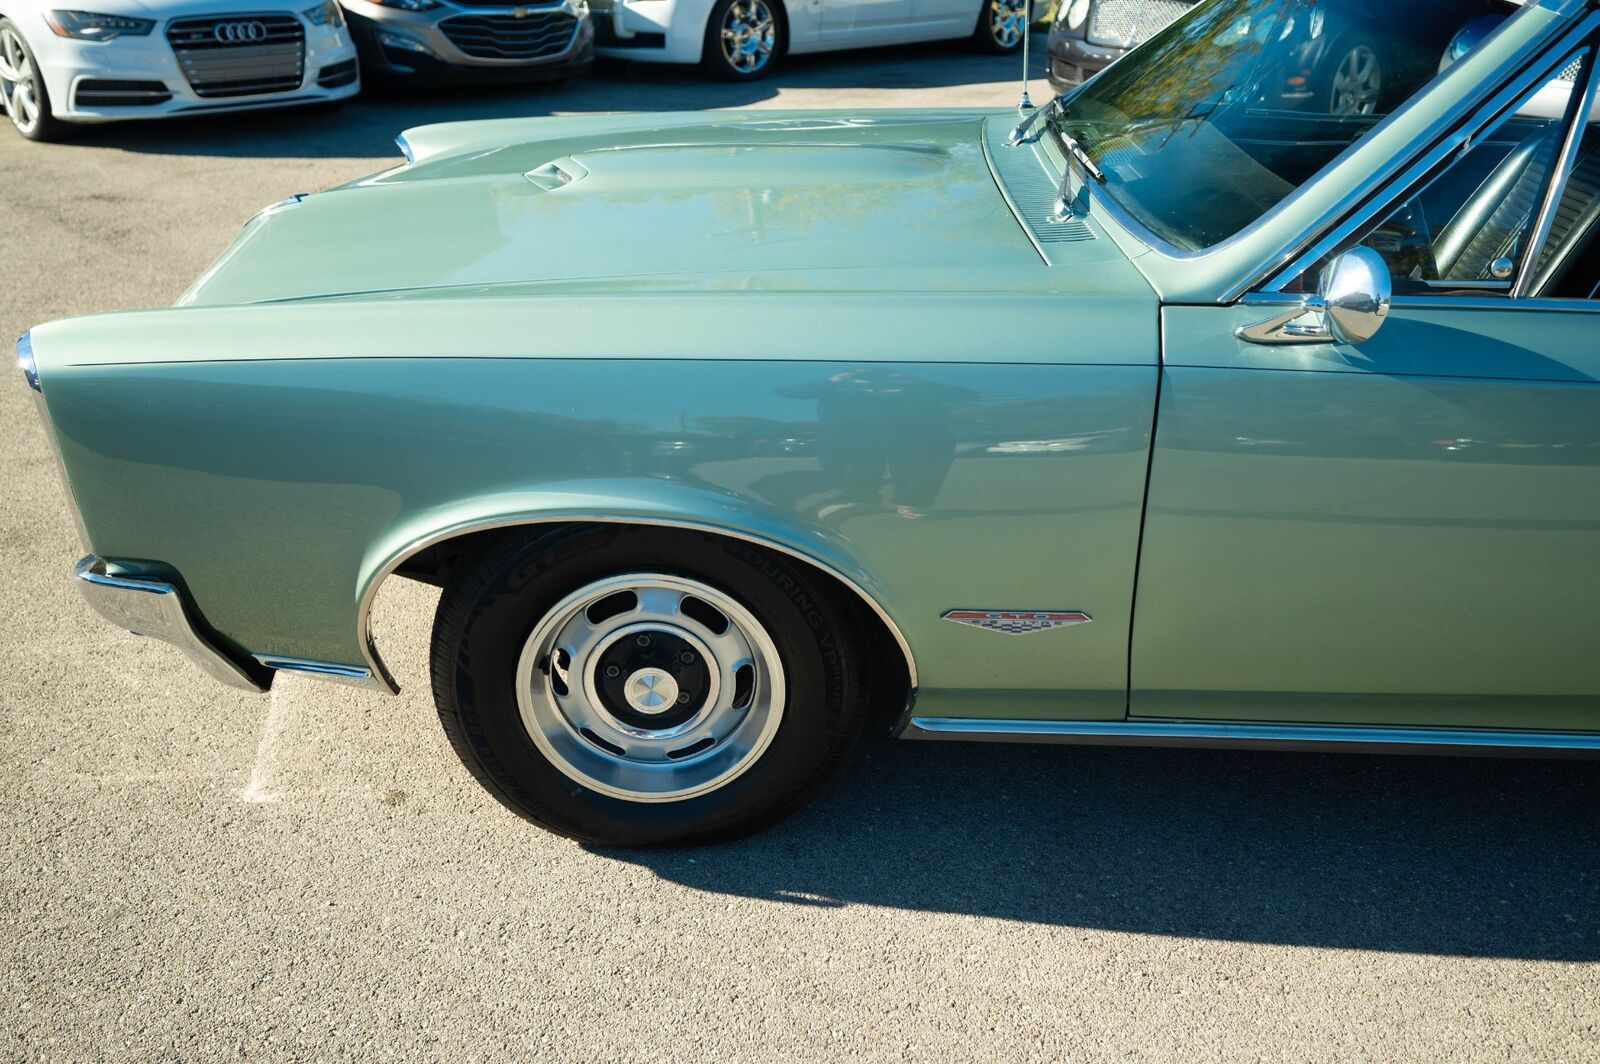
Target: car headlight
(409,5)
(88,26)
(327,13)
(1076,12)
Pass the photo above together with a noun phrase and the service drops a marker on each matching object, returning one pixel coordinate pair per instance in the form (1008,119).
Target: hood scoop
(557,173)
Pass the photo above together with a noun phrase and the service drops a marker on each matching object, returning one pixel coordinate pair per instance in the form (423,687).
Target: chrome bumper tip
(155,608)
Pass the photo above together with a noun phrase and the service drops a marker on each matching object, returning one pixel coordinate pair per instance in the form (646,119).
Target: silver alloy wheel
(748,35)
(19,83)
(1008,21)
(650,687)
(1357,83)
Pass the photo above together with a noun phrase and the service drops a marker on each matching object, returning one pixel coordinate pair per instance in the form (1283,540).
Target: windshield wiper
(1069,144)
(1052,112)
(1019,135)
(1061,210)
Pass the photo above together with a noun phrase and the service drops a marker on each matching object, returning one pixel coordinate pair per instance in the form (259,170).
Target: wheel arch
(415,550)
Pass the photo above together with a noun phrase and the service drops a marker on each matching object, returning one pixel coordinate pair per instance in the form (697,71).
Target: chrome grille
(537,36)
(219,59)
(1125,23)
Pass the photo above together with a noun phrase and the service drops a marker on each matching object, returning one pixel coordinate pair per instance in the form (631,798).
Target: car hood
(711,199)
(172,9)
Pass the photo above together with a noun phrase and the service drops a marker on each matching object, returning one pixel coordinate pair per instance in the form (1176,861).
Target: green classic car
(1160,415)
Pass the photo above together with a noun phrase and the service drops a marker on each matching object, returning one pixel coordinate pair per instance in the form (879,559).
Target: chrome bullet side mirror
(1355,294)
(1351,304)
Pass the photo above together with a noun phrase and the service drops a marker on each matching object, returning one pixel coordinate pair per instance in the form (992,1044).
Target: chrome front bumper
(145,606)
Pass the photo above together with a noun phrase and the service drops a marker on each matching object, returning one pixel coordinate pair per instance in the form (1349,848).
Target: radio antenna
(1025,105)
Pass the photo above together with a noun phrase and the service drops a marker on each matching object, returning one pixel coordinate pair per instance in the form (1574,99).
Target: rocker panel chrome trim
(1332,738)
(353,675)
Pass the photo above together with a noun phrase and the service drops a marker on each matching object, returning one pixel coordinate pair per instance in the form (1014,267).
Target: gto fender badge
(1017,622)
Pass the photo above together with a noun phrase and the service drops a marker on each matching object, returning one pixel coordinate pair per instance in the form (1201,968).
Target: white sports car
(154,58)
(743,39)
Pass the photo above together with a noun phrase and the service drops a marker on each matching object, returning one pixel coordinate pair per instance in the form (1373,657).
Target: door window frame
(1582,38)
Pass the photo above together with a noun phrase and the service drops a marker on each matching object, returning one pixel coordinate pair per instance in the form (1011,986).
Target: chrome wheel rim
(18,82)
(1008,21)
(748,34)
(1357,83)
(650,687)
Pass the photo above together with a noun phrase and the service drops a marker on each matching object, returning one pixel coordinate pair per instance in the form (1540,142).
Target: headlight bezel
(414,6)
(95,26)
(328,13)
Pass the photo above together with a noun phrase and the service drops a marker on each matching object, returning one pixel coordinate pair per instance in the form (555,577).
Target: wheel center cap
(652,691)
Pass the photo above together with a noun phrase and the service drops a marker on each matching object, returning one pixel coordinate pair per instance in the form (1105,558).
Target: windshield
(1230,109)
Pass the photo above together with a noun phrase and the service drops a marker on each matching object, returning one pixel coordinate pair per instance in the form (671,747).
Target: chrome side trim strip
(384,681)
(1418,301)
(353,675)
(1332,738)
(155,608)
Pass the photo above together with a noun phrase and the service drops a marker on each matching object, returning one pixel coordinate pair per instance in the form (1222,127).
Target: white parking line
(258,789)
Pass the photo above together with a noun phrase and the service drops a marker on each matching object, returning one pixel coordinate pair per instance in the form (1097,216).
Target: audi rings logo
(239,32)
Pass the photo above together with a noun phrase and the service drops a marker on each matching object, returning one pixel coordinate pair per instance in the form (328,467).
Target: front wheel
(22,88)
(630,686)
(1352,79)
(743,40)
(1001,26)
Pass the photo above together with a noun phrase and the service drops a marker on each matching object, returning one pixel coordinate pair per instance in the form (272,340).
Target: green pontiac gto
(1162,414)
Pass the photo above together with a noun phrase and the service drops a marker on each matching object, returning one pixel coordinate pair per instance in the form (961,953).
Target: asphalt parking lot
(189,872)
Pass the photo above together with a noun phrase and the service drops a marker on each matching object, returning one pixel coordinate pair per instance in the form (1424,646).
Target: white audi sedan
(743,39)
(157,58)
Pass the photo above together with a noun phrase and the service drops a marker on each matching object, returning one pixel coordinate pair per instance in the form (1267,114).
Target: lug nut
(613,672)
(643,640)
(687,657)
(683,698)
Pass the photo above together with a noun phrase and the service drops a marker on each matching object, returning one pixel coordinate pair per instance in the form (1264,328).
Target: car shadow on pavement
(1453,856)
(367,126)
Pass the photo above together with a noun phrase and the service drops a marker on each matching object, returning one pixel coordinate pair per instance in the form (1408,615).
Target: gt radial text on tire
(634,686)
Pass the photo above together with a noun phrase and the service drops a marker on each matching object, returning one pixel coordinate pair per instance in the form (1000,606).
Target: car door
(1404,531)
(933,20)
(855,23)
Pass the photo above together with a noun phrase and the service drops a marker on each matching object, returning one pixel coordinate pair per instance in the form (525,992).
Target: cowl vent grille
(1030,189)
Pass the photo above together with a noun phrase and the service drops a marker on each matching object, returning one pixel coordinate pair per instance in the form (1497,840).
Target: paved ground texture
(192,873)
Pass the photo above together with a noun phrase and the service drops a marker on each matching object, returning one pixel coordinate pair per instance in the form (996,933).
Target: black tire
(504,585)
(1327,92)
(715,63)
(45,126)
(986,36)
